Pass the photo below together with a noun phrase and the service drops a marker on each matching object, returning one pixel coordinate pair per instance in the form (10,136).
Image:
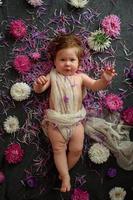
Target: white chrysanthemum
(11,124)
(78,3)
(99,41)
(1,2)
(98,153)
(117,193)
(20,91)
(35,3)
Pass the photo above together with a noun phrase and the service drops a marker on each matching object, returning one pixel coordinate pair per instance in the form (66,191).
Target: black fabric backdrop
(96,181)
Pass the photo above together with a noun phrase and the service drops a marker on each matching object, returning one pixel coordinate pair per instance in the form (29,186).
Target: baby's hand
(109,73)
(41,81)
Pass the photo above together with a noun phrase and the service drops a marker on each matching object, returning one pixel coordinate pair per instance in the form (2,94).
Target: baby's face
(66,61)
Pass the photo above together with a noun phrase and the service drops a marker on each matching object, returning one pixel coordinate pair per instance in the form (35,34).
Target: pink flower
(111,25)
(18,29)
(22,64)
(113,102)
(35,56)
(127,116)
(79,194)
(66,99)
(2,177)
(14,153)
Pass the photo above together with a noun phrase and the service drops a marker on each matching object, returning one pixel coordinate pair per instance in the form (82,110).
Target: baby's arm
(101,83)
(41,84)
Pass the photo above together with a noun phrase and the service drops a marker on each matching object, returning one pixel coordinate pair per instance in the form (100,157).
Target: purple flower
(79,194)
(31,181)
(111,172)
(127,116)
(2,177)
(111,25)
(130,73)
(113,102)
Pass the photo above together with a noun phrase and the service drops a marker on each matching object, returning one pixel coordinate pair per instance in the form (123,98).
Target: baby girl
(63,122)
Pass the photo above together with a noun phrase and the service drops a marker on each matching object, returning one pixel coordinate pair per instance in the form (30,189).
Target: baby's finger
(35,83)
(39,81)
(110,71)
(44,78)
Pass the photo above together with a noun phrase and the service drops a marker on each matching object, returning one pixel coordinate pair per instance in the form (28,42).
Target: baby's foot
(65,186)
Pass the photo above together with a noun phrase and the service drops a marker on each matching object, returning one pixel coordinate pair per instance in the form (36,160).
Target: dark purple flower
(31,181)
(2,177)
(79,194)
(130,74)
(111,172)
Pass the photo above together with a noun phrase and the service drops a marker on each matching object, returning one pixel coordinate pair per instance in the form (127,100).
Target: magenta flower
(18,29)
(35,56)
(2,177)
(66,99)
(22,64)
(113,102)
(111,25)
(79,194)
(127,116)
(14,154)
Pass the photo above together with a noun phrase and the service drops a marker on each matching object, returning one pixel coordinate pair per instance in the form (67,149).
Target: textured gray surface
(97,186)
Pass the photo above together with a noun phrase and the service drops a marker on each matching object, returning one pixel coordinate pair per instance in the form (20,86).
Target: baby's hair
(66,41)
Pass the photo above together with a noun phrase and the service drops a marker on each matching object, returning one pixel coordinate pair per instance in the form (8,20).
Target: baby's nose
(67,62)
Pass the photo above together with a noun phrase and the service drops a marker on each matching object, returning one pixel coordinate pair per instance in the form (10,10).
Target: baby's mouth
(68,69)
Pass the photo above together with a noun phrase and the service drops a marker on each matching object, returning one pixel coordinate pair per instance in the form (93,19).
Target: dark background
(94,178)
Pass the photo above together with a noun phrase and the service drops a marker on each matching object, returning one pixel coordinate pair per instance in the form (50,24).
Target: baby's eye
(72,60)
(62,59)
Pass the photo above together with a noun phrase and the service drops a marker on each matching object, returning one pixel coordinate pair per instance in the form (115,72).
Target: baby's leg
(75,145)
(60,158)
